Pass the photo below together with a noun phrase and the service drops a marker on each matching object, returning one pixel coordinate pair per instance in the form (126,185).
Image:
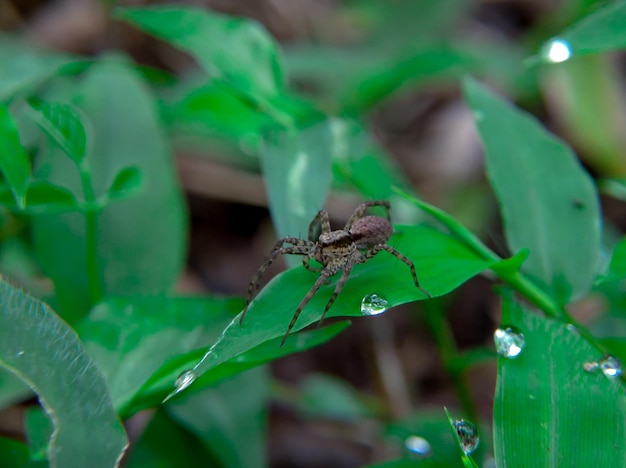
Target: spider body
(361,239)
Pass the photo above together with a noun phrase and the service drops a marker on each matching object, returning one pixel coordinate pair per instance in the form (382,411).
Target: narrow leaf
(14,162)
(602,30)
(42,351)
(549,203)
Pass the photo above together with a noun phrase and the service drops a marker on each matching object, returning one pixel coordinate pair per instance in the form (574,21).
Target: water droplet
(373,304)
(418,445)
(468,435)
(557,50)
(611,367)
(19,354)
(509,342)
(184,380)
(572,329)
(591,366)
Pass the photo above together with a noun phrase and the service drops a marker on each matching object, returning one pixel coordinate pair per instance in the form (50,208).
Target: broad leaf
(141,240)
(130,338)
(159,386)
(165,443)
(546,403)
(230,418)
(297,173)
(442,264)
(63,123)
(549,203)
(238,50)
(41,350)
(14,162)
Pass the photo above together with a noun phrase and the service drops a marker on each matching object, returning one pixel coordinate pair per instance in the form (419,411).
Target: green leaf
(617,267)
(324,396)
(586,102)
(238,50)
(14,162)
(165,443)
(39,430)
(442,264)
(229,418)
(141,240)
(549,203)
(160,383)
(12,390)
(63,123)
(130,341)
(215,111)
(127,182)
(25,68)
(360,162)
(41,350)
(546,402)
(13,454)
(42,197)
(600,31)
(434,428)
(468,461)
(615,187)
(297,173)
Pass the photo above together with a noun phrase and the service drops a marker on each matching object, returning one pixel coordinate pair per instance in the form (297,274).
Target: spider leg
(346,273)
(370,253)
(319,224)
(362,208)
(298,247)
(305,261)
(318,284)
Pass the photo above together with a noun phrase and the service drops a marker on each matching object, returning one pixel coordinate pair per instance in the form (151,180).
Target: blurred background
(392,66)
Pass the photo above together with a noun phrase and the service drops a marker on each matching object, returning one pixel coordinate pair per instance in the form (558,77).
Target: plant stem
(91,235)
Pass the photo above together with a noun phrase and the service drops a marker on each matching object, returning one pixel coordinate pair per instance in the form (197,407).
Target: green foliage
(88,178)
(45,353)
(557,397)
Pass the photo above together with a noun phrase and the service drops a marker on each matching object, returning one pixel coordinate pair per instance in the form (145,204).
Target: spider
(361,239)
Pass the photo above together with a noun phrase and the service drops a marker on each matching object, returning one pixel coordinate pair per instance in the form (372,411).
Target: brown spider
(361,239)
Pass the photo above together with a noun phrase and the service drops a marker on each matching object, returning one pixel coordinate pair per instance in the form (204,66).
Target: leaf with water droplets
(442,264)
(545,402)
(509,341)
(600,31)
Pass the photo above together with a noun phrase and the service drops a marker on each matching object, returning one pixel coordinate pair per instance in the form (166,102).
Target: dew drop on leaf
(184,380)
(468,435)
(509,342)
(373,304)
(611,367)
(418,445)
(557,51)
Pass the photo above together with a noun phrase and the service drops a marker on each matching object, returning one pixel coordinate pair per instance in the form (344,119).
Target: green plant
(91,202)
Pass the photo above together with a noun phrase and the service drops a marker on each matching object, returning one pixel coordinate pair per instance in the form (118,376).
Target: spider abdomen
(369,231)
